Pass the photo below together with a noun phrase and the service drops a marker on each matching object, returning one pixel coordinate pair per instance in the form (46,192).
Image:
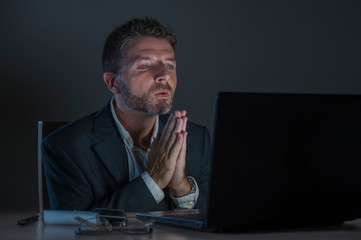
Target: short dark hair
(113,52)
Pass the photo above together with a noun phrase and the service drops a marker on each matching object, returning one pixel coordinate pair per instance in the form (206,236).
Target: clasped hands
(166,162)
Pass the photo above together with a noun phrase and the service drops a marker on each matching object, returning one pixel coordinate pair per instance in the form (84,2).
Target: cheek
(173,78)
(139,88)
(174,83)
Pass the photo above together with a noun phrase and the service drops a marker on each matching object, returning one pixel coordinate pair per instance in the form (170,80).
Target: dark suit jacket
(86,166)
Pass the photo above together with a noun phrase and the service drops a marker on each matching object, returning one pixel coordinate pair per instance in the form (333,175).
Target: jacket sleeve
(74,185)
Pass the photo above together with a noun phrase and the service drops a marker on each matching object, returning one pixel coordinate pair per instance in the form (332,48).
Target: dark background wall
(50,62)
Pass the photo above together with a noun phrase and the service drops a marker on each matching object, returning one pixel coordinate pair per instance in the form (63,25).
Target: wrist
(184,189)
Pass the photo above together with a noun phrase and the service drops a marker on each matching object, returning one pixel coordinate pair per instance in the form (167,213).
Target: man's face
(148,76)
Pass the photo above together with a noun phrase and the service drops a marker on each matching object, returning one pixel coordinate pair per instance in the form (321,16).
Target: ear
(111,81)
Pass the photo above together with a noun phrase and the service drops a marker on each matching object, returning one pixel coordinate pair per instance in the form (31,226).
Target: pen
(27,221)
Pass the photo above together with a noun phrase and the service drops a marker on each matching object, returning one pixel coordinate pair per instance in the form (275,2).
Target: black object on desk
(27,221)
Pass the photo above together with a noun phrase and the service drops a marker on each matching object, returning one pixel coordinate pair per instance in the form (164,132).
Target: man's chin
(165,111)
(159,110)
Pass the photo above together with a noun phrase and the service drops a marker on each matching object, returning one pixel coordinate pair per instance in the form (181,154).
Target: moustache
(160,86)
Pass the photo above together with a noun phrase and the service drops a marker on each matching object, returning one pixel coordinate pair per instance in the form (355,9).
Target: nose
(161,73)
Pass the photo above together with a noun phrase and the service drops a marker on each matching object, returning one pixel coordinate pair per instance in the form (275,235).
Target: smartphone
(111,214)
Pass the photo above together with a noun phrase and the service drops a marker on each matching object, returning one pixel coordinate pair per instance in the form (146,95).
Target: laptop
(280,161)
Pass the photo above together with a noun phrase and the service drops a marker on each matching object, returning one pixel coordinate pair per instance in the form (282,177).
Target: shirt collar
(124,133)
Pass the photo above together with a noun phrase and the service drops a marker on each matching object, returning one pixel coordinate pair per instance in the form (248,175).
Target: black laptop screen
(282,158)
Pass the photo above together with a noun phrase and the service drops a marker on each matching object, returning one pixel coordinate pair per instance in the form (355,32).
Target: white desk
(39,230)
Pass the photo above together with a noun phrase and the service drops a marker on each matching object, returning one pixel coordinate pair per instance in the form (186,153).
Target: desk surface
(39,230)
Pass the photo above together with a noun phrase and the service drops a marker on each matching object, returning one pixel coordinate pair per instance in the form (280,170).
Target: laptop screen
(283,159)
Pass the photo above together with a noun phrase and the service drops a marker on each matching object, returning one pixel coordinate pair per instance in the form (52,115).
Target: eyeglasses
(103,226)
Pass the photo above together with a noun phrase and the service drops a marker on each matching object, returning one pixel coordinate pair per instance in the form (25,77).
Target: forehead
(149,46)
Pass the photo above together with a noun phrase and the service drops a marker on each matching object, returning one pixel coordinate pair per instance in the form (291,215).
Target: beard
(145,103)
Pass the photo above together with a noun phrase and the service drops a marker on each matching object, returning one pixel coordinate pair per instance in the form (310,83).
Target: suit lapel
(110,147)
(162,121)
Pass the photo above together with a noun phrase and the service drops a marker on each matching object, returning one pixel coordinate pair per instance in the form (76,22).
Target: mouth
(162,94)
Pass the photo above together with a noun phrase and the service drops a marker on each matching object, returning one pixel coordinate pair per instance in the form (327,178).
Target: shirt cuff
(188,201)
(155,190)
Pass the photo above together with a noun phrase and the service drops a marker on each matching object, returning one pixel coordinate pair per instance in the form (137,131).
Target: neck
(139,125)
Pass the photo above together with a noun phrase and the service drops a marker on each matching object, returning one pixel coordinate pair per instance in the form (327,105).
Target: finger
(184,127)
(179,171)
(174,136)
(168,128)
(183,150)
(183,113)
(170,133)
(176,147)
(174,125)
(168,122)
(179,125)
(177,114)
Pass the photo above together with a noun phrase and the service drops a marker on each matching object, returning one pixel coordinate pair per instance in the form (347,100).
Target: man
(129,155)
